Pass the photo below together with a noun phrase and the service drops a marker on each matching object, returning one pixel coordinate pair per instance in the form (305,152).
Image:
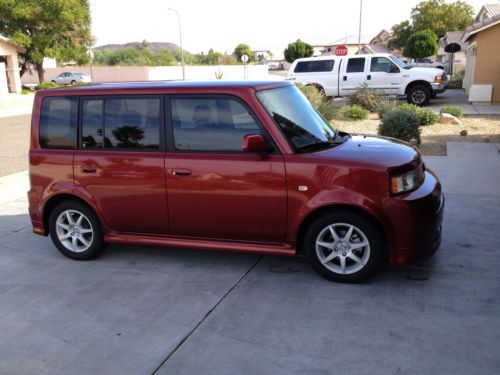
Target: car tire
(344,259)
(76,230)
(73,82)
(53,81)
(418,95)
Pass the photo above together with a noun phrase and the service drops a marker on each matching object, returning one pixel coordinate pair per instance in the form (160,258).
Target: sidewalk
(459,98)
(19,104)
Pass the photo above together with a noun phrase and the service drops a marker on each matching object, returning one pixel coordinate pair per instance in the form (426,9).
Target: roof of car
(158,85)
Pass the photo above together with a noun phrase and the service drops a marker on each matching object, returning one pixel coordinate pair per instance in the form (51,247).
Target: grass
(434,137)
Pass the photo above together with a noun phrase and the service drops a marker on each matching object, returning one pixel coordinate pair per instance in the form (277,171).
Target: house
(482,72)
(10,80)
(459,58)
(382,38)
(487,11)
(374,48)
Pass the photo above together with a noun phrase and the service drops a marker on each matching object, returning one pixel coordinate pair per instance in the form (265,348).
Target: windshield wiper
(317,145)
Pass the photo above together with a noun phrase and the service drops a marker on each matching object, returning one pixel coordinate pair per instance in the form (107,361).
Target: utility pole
(180,38)
(360,17)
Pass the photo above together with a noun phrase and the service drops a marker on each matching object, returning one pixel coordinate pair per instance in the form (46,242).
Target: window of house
(121,123)
(314,66)
(356,65)
(58,122)
(211,124)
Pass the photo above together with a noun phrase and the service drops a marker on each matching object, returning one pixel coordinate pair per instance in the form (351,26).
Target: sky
(263,24)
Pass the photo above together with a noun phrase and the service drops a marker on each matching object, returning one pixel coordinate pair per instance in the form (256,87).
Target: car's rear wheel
(419,95)
(76,230)
(344,246)
(53,81)
(73,82)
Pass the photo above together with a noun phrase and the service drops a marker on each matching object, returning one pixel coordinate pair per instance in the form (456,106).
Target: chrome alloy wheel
(342,248)
(74,231)
(418,96)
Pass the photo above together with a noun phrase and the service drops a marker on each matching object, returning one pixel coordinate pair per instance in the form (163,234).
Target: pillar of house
(4,90)
(13,74)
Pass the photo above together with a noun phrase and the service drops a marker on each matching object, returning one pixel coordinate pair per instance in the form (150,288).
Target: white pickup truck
(385,73)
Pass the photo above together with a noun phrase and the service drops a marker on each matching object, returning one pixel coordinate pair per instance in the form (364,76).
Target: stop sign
(341,50)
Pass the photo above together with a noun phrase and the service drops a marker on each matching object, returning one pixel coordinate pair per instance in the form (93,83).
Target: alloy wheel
(74,231)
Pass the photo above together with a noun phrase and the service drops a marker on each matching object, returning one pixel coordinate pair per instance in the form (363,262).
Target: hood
(431,71)
(386,153)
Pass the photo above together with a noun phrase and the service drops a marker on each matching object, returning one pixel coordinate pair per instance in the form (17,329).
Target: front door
(215,190)
(353,75)
(384,76)
(120,163)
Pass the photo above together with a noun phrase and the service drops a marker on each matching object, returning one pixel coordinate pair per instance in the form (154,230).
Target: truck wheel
(344,247)
(76,230)
(418,95)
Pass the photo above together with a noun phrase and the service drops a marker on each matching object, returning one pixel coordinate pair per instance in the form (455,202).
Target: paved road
(139,310)
(14,144)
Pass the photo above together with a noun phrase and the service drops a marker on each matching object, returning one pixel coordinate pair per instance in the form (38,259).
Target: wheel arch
(417,82)
(313,215)
(54,200)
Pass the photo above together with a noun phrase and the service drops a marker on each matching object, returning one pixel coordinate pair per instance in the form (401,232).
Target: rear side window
(211,124)
(58,122)
(356,65)
(117,123)
(314,66)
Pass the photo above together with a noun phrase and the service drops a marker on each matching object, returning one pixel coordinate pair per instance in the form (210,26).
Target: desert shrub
(46,85)
(354,112)
(25,92)
(386,105)
(327,110)
(324,106)
(401,124)
(426,116)
(456,81)
(366,98)
(454,110)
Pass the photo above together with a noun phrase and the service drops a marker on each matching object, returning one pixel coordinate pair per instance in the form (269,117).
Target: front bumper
(416,221)
(438,88)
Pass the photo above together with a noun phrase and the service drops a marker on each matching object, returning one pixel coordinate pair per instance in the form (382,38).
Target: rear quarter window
(58,121)
(314,66)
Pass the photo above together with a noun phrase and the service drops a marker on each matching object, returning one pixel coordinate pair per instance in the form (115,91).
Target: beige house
(10,80)
(382,38)
(459,58)
(482,73)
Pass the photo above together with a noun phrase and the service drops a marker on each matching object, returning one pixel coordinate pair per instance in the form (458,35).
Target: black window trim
(356,58)
(161,125)
(170,141)
(40,122)
(315,71)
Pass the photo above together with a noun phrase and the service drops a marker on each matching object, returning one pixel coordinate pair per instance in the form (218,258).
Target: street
(14,144)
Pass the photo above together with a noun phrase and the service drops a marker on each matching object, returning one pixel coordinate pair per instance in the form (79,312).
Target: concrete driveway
(142,310)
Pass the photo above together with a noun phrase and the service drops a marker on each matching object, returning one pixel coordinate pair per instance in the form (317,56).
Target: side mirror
(255,143)
(394,69)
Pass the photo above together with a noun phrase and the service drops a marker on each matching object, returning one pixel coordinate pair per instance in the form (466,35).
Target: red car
(231,166)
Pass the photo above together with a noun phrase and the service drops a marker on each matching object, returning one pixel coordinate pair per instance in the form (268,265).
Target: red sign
(341,50)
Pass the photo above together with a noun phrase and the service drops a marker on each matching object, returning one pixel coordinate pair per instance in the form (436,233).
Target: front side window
(58,122)
(300,123)
(121,123)
(356,65)
(314,66)
(211,124)
(383,64)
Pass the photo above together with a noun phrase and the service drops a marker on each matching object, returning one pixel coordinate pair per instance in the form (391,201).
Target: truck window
(382,64)
(356,65)
(58,122)
(314,66)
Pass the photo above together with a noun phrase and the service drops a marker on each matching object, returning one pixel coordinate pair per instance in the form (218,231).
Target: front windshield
(291,110)
(400,63)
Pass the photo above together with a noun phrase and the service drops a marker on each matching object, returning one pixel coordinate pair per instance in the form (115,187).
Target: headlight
(408,181)
(437,79)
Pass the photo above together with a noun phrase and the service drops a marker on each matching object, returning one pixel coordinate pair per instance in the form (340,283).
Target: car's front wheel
(76,230)
(418,95)
(344,246)
(73,82)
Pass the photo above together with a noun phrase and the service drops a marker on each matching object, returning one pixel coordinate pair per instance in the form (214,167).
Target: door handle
(345,78)
(181,172)
(89,169)
(369,77)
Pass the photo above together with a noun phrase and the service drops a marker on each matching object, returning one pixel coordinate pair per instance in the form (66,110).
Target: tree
(400,34)
(440,17)
(297,50)
(243,49)
(47,28)
(421,44)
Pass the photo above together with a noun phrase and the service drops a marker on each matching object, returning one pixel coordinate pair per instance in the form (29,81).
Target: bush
(402,124)
(25,92)
(456,81)
(354,112)
(453,110)
(327,110)
(318,100)
(366,98)
(426,116)
(386,105)
(46,85)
